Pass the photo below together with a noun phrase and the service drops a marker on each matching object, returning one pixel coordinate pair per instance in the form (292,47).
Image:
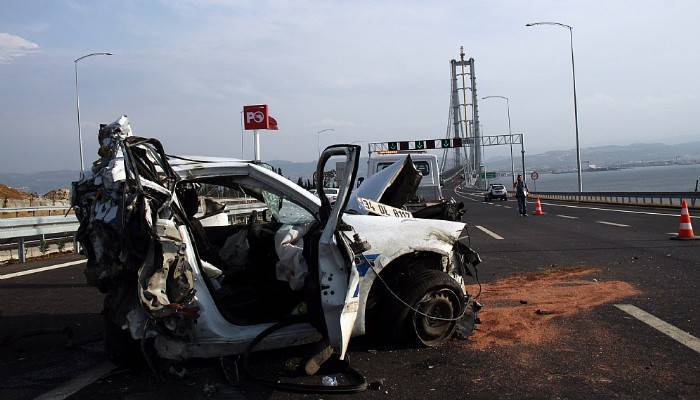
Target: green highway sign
(445,143)
(393,146)
(420,145)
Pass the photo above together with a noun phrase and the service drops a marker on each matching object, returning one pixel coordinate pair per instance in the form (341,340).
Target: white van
(430,187)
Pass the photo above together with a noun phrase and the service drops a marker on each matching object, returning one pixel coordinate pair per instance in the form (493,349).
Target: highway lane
(640,252)
(50,327)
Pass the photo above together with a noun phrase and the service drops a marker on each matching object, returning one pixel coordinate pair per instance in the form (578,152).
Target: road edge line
(490,233)
(41,269)
(662,326)
(74,385)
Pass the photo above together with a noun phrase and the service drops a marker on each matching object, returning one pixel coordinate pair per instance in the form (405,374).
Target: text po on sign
(256,117)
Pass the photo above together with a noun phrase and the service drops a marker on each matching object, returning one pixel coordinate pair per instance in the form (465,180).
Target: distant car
(332,194)
(496,191)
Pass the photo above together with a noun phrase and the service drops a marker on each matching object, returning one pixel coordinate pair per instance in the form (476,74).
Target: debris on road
(551,294)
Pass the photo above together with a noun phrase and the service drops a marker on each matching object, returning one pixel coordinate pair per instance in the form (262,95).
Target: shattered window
(286,212)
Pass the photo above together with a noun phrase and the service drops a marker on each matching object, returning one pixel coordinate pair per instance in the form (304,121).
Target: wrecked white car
(191,289)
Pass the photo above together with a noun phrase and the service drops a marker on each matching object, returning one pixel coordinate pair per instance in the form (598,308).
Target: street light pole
(510,133)
(573,74)
(77,108)
(318,139)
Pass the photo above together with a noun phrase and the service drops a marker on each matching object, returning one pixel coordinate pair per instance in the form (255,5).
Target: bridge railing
(649,199)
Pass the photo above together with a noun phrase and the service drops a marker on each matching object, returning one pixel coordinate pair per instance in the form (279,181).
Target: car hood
(393,186)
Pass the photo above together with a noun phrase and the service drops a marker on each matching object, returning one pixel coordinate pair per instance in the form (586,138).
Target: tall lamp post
(77,107)
(512,163)
(318,138)
(573,73)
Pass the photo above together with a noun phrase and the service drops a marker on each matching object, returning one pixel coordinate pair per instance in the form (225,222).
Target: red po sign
(255,117)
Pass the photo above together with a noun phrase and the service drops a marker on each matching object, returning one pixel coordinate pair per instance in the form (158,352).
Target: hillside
(9,193)
(605,156)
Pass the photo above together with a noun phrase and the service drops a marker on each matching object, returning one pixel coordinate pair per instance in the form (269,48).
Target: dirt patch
(9,193)
(520,308)
(58,194)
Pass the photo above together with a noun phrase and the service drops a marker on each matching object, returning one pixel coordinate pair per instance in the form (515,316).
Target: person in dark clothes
(521,194)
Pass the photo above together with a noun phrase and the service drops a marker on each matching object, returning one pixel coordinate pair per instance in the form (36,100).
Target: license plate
(372,207)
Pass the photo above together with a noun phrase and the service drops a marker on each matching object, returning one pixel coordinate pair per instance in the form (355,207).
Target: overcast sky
(373,71)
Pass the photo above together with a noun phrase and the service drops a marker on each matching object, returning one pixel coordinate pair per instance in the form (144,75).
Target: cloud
(12,47)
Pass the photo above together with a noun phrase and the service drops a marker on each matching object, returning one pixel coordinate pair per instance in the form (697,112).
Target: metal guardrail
(23,228)
(645,199)
(26,227)
(240,212)
(33,210)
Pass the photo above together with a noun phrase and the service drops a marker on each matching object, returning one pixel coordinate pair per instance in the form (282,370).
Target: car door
(339,281)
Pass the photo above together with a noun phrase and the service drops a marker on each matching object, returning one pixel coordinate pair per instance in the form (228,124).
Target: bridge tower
(464,102)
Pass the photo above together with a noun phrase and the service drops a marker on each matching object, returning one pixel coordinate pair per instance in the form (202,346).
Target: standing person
(521,194)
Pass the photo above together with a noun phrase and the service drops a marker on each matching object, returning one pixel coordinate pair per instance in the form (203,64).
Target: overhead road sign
(430,144)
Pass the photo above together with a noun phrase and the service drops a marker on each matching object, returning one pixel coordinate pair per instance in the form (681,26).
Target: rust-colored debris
(520,309)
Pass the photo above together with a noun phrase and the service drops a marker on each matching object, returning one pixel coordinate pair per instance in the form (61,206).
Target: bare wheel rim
(440,303)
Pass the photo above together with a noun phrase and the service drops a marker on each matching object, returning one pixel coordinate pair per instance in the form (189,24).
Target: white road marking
(613,224)
(566,216)
(464,195)
(488,232)
(672,233)
(507,207)
(42,269)
(664,327)
(74,385)
(615,210)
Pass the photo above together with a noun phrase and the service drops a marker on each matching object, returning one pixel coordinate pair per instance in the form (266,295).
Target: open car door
(339,281)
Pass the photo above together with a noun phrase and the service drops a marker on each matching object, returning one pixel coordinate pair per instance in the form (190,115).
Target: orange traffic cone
(685,231)
(538,208)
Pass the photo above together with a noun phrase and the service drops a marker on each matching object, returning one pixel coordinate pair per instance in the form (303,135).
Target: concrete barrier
(644,199)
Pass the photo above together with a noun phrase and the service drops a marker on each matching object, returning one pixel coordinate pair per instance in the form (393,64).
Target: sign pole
(256,144)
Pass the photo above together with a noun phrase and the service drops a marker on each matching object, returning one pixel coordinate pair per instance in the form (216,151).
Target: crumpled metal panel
(395,185)
(130,229)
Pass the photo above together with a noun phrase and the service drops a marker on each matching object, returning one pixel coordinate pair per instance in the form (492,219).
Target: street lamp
(573,74)
(512,164)
(318,139)
(77,107)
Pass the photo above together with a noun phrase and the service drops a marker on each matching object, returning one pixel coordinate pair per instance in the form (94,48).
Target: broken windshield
(285,211)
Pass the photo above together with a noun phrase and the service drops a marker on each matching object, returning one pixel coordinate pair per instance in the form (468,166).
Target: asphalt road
(598,352)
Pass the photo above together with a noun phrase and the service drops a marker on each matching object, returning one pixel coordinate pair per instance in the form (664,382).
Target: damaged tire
(433,293)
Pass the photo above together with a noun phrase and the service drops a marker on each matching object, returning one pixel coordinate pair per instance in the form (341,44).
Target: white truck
(411,181)
(430,186)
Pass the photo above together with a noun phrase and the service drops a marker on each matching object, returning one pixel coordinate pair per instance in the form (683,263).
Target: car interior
(242,270)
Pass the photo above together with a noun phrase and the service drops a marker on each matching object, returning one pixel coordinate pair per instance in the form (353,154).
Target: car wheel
(432,293)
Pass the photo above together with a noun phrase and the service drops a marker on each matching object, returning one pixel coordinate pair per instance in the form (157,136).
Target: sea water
(672,178)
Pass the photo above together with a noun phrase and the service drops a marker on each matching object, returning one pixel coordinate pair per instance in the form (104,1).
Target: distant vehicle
(496,191)
(331,194)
